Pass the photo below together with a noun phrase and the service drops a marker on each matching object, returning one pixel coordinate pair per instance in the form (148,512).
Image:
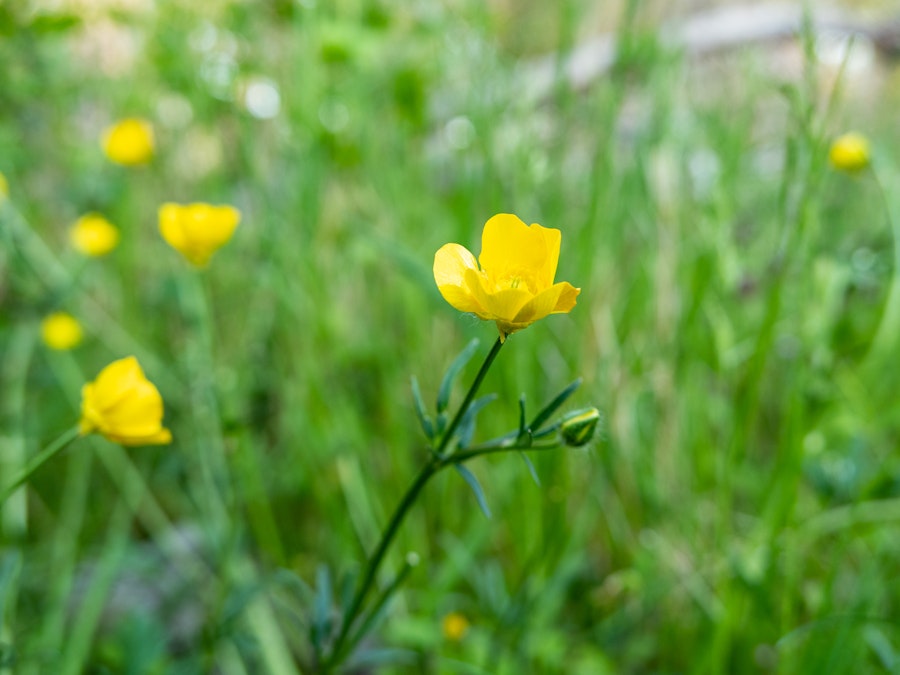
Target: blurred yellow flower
(93,235)
(512,283)
(454,626)
(4,187)
(61,331)
(197,230)
(850,152)
(124,406)
(129,141)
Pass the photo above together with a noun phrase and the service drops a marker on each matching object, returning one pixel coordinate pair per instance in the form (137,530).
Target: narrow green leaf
(466,428)
(475,486)
(522,429)
(440,424)
(458,364)
(531,469)
(385,656)
(553,406)
(348,586)
(421,413)
(321,619)
(10,566)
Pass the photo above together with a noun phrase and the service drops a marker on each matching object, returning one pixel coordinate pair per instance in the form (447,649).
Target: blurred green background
(738,514)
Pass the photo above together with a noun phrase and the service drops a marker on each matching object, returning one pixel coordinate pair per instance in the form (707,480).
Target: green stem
(473,452)
(470,396)
(435,464)
(381,601)
(431,468)
(38,461)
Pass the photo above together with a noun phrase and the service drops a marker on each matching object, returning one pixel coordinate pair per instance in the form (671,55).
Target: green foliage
(737,328)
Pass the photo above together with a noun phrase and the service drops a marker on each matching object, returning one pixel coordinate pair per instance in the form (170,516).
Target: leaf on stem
(523,430)
(421,413)
(553,406)
(531,469)
(458,364)
(475,486)
(321,618)
(347,587)
(466,428)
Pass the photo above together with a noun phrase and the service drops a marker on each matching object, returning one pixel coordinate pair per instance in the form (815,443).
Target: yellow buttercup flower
(850,152)
(454,626)
(93,235)
(512,283)
(197,230)
(61,331)
(124,406)
(129,141)
(4,187)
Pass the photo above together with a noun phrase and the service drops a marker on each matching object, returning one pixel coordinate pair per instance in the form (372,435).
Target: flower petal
(510,247)
(114,383)
(451,264)
(499,305)
(566,298)
(559,298)
(123,405)
(161,437)
(552,239)
(208,227)
(138,413)
(171,226)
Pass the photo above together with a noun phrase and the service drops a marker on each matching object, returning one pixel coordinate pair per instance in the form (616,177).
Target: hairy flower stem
(439,460)
(39,460)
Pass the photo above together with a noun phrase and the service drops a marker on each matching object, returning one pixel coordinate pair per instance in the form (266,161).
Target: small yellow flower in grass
(850,152)
(197,230)
(93,235)
(129,142)
(512,282)
(124,406)
(454,626)
(61,331)
(4,187)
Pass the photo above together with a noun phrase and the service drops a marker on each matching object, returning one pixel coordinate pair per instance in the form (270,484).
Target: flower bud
(129,142)
(850,152)
(61,331)
(578,427)
(93,235)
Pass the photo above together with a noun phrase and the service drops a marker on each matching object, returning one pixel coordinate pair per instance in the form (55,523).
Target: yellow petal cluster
(850,152)
(93,235)
(129,142)
(454,626)
(4,187)
(61,331)
(197,230)
(124,406)
(512,282)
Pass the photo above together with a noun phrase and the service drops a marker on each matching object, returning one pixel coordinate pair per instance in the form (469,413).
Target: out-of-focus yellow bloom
(454,626)
(61,331)
(4,187)
(129,141)
(197,230)
(124,406)
(93,235)
(512,283)
(850,152)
